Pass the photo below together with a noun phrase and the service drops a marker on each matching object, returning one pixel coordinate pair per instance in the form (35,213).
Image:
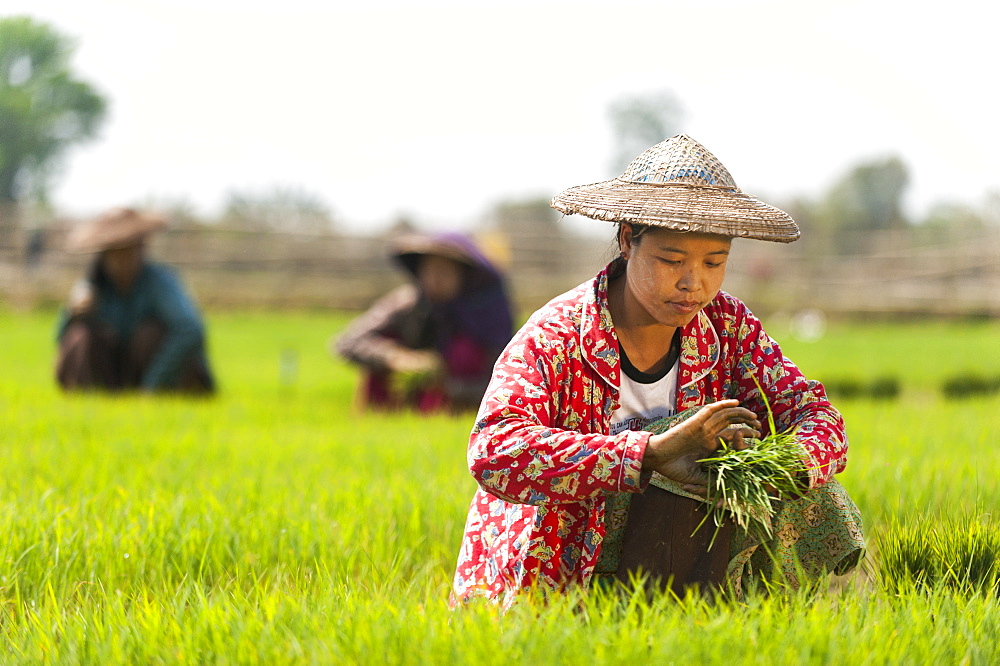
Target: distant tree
(280,209)
(44,109)
(641,121)
(868,199)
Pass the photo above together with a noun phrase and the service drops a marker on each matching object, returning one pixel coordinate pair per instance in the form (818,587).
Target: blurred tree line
(869,199)
(45,109)
(280,208)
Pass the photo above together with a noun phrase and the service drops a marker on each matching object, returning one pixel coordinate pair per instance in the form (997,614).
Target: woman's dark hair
(95,272)
(637,232)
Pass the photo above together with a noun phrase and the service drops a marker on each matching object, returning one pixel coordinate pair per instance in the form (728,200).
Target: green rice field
(275,524)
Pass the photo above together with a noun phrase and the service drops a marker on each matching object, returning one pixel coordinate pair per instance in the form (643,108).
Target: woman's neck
(646,341)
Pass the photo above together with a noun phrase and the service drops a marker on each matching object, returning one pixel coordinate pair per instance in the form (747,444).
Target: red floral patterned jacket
(540,448)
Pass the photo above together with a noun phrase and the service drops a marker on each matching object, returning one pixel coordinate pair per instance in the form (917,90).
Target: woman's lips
(684,307)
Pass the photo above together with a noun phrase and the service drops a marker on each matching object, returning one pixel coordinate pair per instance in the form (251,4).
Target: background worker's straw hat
(409,249)
(679,185)
(119,227)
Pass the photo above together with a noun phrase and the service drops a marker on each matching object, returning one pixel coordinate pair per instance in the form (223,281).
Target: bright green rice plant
(960,552)
(273,524)
(745,485)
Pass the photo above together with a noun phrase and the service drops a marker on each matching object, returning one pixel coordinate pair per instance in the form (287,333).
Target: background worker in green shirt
(129,323)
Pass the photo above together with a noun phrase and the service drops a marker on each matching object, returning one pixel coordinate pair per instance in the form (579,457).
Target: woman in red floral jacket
(558,449)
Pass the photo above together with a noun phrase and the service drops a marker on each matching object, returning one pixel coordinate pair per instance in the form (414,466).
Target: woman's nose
(689,281)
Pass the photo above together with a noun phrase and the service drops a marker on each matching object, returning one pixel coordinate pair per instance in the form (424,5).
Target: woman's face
(122,265)
(439,278)
(672,275)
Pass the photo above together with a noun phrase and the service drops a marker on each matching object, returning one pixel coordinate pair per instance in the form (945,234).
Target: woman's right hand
(415,361)
(81,298)
(676,452)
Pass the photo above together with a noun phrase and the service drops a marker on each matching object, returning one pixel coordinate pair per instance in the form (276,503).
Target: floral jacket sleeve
(539,439)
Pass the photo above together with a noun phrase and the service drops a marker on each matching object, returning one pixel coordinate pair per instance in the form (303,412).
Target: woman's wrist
(655,454)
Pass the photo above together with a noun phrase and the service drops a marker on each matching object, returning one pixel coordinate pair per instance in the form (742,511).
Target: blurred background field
(275,523)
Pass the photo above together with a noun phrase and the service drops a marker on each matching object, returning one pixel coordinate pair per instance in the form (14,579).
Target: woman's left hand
(676,452)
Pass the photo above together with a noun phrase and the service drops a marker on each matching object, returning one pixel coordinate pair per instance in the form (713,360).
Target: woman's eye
(670,262)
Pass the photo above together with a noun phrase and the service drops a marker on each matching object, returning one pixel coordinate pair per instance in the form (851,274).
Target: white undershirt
(643,403)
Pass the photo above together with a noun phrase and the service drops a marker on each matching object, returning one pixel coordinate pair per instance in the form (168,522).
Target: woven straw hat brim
(409,249)
(114,230)
(680,207)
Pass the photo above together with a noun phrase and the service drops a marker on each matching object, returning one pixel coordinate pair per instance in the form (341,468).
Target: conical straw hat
(410,248)
(680,185)
(119,227)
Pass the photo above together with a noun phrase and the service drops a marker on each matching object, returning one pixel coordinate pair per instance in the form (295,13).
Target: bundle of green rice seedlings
(745,485)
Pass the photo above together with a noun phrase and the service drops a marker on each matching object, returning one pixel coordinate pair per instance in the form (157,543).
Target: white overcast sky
(440,109)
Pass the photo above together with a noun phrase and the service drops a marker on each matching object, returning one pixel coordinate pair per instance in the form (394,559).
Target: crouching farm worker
(430,345)
(572,489)
(129,324)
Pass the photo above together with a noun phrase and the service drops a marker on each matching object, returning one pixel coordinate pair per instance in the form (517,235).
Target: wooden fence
(236,268)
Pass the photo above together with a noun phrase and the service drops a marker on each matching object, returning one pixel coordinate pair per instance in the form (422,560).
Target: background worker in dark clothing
(430,345)
(129,324)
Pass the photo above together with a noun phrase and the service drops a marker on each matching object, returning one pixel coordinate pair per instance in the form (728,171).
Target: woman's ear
(625,239)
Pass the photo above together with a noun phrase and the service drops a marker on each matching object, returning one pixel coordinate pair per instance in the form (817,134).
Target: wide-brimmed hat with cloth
(679,185)
(117,228)
(482,308)
(408,250)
